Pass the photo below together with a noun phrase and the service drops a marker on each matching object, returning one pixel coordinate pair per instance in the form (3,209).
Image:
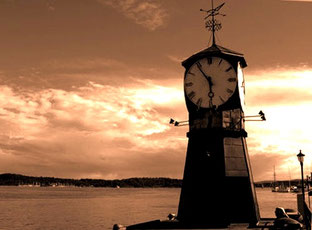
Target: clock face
(210,82)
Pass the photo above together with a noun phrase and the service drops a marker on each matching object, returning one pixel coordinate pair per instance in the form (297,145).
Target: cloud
(50,5)
(284,96)
(148,14)
(263,166)
(175,59)
(80,65)
(285,163)
(121,130)
(275,96)
(277,87)
(70,73)
(92,130)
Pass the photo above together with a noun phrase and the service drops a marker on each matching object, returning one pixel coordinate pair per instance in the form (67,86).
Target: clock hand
(210,94)
(207,77)
(210,82)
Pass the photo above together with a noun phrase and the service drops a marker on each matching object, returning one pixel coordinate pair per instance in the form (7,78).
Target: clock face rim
(241,85)
(221,70)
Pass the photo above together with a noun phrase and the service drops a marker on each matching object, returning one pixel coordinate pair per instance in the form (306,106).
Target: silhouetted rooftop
(215,50)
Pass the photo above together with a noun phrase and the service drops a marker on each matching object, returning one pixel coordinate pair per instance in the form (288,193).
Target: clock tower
(218,188)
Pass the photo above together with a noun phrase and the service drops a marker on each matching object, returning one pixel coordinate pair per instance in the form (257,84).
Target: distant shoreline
(10,179)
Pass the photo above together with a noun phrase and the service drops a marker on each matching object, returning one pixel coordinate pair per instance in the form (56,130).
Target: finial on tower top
(213,24)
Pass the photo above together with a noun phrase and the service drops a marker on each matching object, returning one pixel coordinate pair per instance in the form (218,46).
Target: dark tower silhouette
(217,185)
(217,188)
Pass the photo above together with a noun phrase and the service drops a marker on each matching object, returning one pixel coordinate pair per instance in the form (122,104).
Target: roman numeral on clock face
(228,69)
(231,79)
(190,73)
(199,102)
(191,95)
(188,84)
(209,60)
(198,65)
(229,90)
(221,99)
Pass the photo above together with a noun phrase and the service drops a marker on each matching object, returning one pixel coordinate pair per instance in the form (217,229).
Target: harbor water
(76,208)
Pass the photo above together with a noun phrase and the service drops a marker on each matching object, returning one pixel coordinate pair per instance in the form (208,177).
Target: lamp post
(301,159)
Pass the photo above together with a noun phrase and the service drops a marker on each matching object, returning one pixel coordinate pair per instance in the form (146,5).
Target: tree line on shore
(9,179)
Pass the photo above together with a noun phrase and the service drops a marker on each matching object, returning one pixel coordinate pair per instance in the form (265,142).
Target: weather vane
(213,24)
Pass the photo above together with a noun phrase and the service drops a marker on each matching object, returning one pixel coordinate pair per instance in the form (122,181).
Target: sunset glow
(95,100)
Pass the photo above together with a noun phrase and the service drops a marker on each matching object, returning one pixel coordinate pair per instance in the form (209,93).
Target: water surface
(55,208)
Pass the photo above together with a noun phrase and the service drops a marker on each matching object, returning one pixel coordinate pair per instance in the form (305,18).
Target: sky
(87,88)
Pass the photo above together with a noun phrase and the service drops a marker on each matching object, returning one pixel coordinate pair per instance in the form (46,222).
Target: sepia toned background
(87,87)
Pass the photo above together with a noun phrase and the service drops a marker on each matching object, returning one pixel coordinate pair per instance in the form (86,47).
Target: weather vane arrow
(213,24)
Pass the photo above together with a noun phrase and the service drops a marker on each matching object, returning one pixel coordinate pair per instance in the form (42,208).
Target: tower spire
(213,24)
(213,27)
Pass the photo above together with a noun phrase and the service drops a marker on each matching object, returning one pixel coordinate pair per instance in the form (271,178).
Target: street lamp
(301,159)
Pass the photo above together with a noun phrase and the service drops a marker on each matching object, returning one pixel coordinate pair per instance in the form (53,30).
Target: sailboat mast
(289,178)
(274,178)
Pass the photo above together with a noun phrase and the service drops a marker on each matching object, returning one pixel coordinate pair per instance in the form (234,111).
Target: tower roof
(215,50)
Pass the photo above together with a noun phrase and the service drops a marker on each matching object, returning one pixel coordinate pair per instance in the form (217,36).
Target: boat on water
(285,189)
(294,189)
(281,187)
